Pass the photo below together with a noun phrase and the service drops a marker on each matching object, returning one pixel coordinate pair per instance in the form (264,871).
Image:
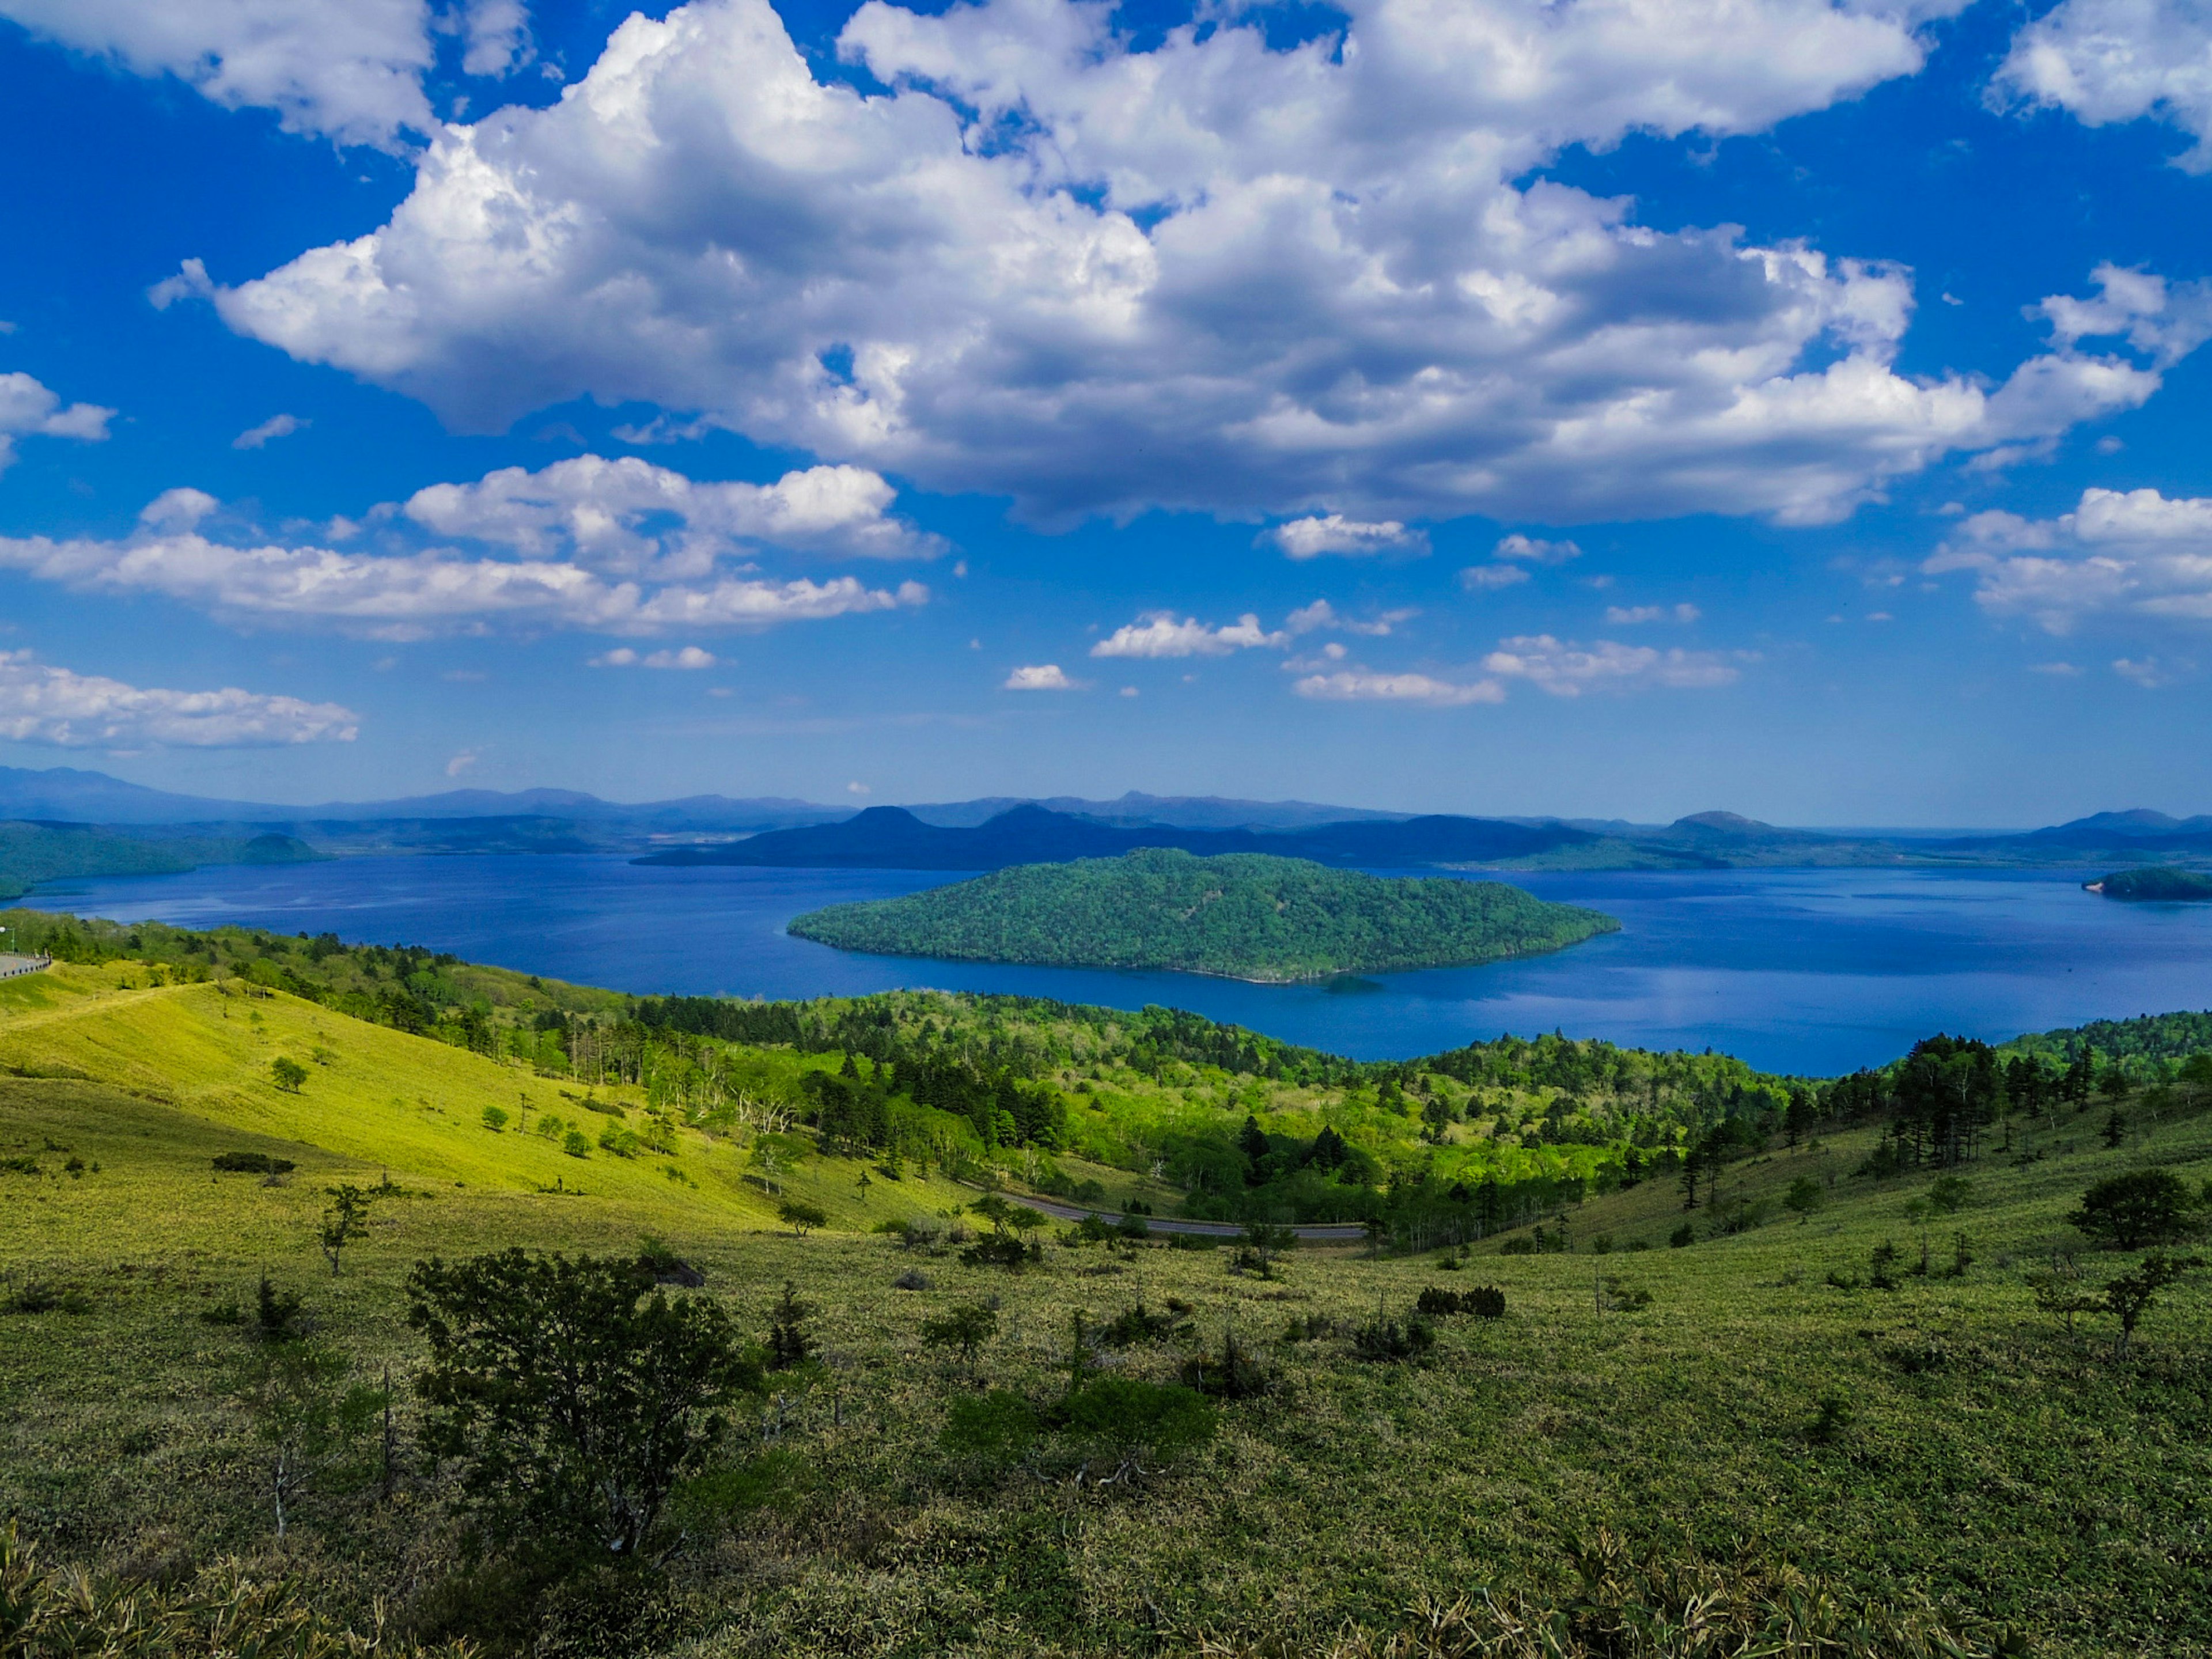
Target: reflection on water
(1808,971)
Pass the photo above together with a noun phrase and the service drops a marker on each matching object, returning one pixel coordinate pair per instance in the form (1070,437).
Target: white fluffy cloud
(1359,685)
(1157,633)
(1310,538)
(1038,676)
(1534,550)
(29,410)
(410,594)
(1567,670)
(349,69)
(2106,61)
(1483,578)
(43,704)
(2133,554)
(630,516)
(1210,274)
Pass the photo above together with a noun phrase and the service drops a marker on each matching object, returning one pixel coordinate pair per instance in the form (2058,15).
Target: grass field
(1978,1458)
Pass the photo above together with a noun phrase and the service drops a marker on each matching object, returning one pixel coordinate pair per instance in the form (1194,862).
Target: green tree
(346,1215)
(802,1217)
(573,1395)
(790,1345)
(305,1419)
(966,1328)
(288,1074)
(2130,1296)
(2127,1211)
(1803,1198)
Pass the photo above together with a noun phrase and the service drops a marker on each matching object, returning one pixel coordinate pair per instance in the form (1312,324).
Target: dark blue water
(1813,971)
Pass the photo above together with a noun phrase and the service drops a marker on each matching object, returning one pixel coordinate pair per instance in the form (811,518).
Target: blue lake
(1814,971)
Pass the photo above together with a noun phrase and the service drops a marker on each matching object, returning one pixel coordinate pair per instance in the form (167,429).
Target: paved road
(1342,1232)
(13,966)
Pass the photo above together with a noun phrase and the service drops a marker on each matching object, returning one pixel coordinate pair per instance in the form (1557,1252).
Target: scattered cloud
(1325,281)
(2135,554)
(1534,550)
(1567,670)
(1310,538)
(2148,673)
(412,594)
(42,704)
(1359,685)
(1321,615)
(2109,61)
(690,657)
(1129,691)
(1482,577)
(2056,670)
(460,762)
(28,410)
(277,426)
(1631,615)
(1038,676)
(1157,633)
(858,789)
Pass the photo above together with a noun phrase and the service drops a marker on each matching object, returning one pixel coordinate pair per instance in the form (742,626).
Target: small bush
(1684,1235)
(494,1118)
(664,1266)
(912,1279)
(1192,1242)
(576,1144)
(1138,1324)
(1832,1415)
(1483,1301)
(1387,1340)
(252,1164)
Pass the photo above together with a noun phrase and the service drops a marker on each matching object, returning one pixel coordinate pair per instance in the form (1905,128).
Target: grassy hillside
(1239,915)
(1678,1402)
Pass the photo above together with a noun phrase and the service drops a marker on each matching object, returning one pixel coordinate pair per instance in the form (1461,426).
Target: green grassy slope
(2008,1472)
(1241,916)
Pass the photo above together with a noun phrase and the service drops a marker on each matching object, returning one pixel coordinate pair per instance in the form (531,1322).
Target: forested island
(1249,917)
(2155,883)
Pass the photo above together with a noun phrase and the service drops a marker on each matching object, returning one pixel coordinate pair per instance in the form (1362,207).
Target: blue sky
(1586,408)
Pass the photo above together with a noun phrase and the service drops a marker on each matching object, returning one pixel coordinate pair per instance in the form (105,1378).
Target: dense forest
(34,852)
(1241,915)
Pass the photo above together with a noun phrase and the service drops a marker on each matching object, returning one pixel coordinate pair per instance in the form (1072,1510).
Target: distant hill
(892,838)
(1175,812)
(33,853)
(1238,915)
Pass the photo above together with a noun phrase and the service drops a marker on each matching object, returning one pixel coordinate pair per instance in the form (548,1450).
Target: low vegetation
(1923,1377)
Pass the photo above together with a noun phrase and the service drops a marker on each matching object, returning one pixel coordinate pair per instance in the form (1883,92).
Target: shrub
(965,1328)
(571,1400)
(664,1266)
(790,1345)
(912,1279)
(1001,1250)
(576,1144)
(1483,1301)
(1192,1242)
(1387,1340)
(1121,1419)
(1234,1376)
(1684,1235)
(288,1074)
(2127,1211)
(494,1118)
(998,1427)
(1138,1324)
(1949,1194)
(252,1164)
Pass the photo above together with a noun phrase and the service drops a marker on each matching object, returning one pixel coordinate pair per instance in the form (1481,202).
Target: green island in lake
(1241,916)
(2155,883)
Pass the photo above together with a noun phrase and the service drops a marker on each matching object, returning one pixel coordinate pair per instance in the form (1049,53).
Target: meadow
(1732,1433)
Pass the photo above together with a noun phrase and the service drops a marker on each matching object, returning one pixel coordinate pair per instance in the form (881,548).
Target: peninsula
(2155,883)
(1248,916)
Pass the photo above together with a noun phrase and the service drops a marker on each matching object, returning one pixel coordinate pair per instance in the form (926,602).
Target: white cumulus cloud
(1485,578)
(1212,274)
(1359,685)
(43,704)
(351,70)
(1038,676)
(2132,554)
(408,594)
(1157,633)
(690,656)
(1536,551)
(1568,669)
(2108,61)
(631,516)
(29,410)
(1310,538)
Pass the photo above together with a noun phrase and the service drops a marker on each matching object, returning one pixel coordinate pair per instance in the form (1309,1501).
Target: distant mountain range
(996,832)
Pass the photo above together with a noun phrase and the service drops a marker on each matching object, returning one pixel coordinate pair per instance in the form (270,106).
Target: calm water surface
(1801,970)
